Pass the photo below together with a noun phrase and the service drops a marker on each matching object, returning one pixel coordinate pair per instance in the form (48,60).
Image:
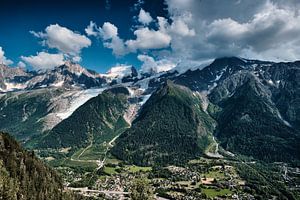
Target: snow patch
(13,86)
(58,84)
(145,99)
(270,82)
(119,72)
(284,121)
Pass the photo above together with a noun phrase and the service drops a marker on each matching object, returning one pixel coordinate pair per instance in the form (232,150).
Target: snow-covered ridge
(119,72)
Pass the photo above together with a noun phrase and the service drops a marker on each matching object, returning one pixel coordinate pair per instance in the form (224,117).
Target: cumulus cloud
(145,38)
(63,39)
(44,60)
(150,65)
(148,39)
(109,34)
(109,31)
(3,59)
(91,29)
(144,17)
(262,29)
(200,30)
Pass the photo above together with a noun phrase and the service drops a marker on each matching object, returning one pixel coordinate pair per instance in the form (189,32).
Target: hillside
(255,104)
(99,119)
(250,124)
(171,128)
(22,113)
(23,176)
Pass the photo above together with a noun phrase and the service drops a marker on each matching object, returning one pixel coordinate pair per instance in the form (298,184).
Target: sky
(152,35)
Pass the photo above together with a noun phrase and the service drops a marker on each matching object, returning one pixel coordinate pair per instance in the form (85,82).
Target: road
(100,163)
(216,153)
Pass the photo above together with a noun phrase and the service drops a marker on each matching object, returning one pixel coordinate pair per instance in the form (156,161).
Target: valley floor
(203,178)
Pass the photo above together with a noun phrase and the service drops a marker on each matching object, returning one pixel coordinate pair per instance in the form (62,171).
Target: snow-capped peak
(119,71)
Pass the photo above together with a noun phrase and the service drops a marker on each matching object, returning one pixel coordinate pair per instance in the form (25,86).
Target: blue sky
(152,35)
(17,18)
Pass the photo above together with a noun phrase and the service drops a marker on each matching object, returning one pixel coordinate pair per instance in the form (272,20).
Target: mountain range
(245,107)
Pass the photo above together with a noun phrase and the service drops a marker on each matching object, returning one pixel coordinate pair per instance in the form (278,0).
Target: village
(203,178)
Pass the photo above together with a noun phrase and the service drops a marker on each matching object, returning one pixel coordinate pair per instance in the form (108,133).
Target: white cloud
(44,60)
(261,29)
(91,29)
(3,59)
(109,31)
(109,34)
(148,39)
(63,39)
(144,17)
(180,27)
(152,66)
(117,45)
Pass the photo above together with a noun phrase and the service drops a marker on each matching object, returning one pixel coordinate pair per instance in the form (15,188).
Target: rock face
(12,78)
(67,75)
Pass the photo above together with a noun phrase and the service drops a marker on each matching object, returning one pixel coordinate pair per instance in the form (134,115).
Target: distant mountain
(23,176)
(24,113)
(171,128)
(121,74)
(12,78)
(67,75)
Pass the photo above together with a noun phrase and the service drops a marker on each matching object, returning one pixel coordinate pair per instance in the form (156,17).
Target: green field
(215,174)
(83,165)
(134,169)
(211,193)
(110,170)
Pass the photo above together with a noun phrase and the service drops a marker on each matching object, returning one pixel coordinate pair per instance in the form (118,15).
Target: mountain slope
(250,124)
(256,105)
(21,113)
(30,113)
(12,78)
(171,128)
(99,118)
(23,176)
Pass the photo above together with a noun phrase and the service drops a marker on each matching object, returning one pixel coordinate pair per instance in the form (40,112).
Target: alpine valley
(229,130)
